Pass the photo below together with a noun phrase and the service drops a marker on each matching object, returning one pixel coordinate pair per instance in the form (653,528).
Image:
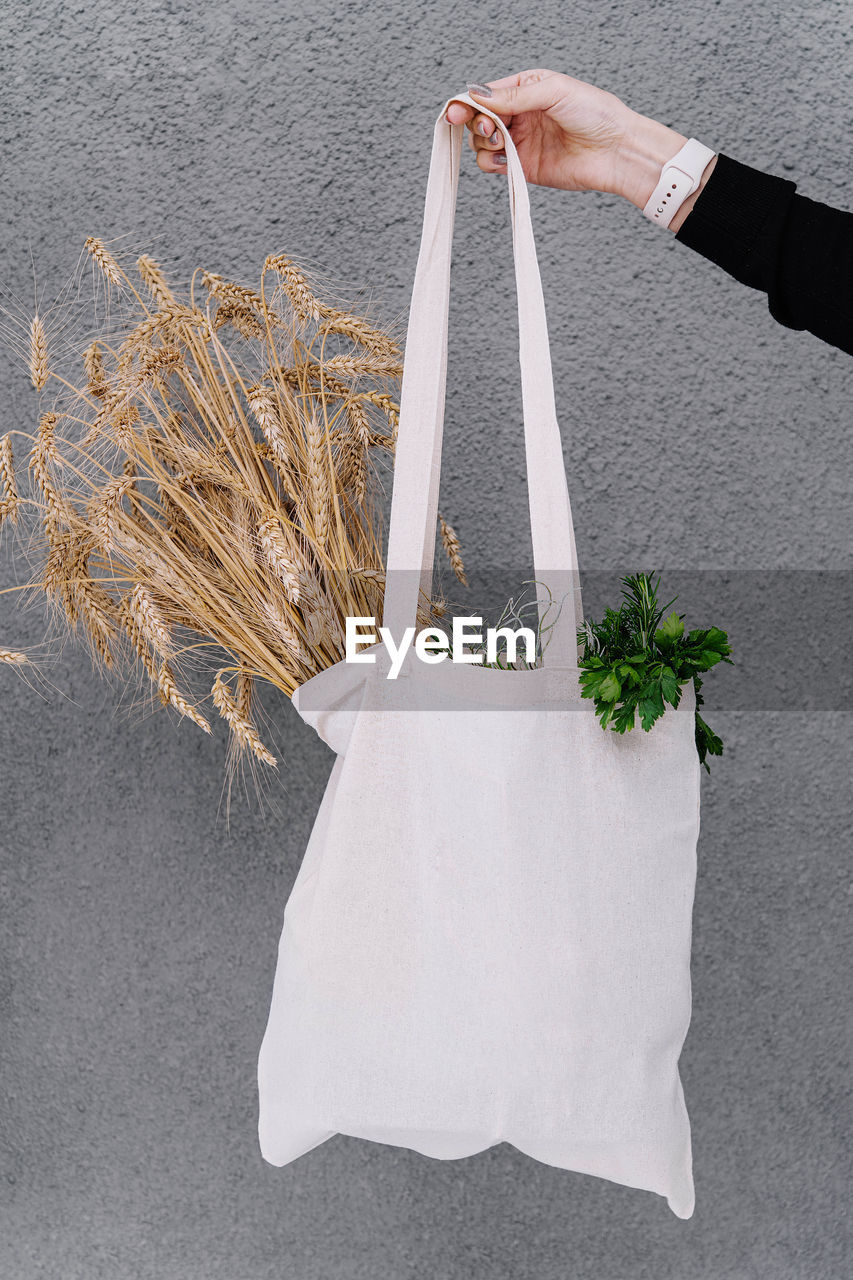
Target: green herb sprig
(635,660)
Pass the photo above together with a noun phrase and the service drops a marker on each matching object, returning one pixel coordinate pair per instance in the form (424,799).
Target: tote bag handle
(417,466)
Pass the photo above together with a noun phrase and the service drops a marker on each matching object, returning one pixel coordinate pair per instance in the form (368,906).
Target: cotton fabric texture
(488,939)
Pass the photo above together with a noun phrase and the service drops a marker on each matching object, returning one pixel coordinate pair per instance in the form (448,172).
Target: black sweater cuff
(738,221)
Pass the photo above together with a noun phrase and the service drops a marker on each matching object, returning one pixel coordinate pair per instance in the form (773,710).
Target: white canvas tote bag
(489,936)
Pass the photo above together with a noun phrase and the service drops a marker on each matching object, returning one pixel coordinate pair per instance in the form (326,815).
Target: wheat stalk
(308,307)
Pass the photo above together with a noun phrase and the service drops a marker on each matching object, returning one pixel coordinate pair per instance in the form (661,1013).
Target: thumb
(513,96)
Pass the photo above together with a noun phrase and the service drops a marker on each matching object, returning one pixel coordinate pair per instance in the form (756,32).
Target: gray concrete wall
(139,936)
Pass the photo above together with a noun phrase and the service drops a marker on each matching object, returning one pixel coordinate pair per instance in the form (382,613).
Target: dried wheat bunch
(206,483)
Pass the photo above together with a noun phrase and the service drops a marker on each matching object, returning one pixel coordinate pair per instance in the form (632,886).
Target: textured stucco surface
(139,936)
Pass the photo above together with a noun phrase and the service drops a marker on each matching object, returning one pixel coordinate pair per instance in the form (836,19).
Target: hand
(572,135)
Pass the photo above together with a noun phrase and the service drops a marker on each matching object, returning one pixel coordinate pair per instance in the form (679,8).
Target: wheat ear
(279,556)
(96,376)
(105,260)
(236,295)
(319,494)
(299,292)
(161,675)
(104,508)
(9,497)
(244,319)
(154,280)
(38,354)
(150,620)
(44,452)
(13,657)
(100,614)
(265,410)
(358,329)
(243,729)
(245,693)
(450,542)
(370,365)
(170,693)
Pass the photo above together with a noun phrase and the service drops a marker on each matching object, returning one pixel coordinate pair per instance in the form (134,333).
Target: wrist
(644,149)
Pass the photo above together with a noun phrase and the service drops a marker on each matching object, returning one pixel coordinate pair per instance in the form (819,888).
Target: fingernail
(481,90)
(496,136)
(500,157)
(484,126)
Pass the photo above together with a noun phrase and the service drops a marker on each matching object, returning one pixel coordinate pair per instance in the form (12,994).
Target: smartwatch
(679,178)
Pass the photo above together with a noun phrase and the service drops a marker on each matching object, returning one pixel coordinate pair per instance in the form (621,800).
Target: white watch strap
(679,178)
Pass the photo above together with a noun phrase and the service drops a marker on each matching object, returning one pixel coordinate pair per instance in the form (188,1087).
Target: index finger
(507,82)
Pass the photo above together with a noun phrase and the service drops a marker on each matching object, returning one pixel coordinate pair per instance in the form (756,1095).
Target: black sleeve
(800,253)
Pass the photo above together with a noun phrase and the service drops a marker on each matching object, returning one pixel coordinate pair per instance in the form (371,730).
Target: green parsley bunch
(634,662)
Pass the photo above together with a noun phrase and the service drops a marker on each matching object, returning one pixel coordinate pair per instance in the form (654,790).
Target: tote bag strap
(417,466)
